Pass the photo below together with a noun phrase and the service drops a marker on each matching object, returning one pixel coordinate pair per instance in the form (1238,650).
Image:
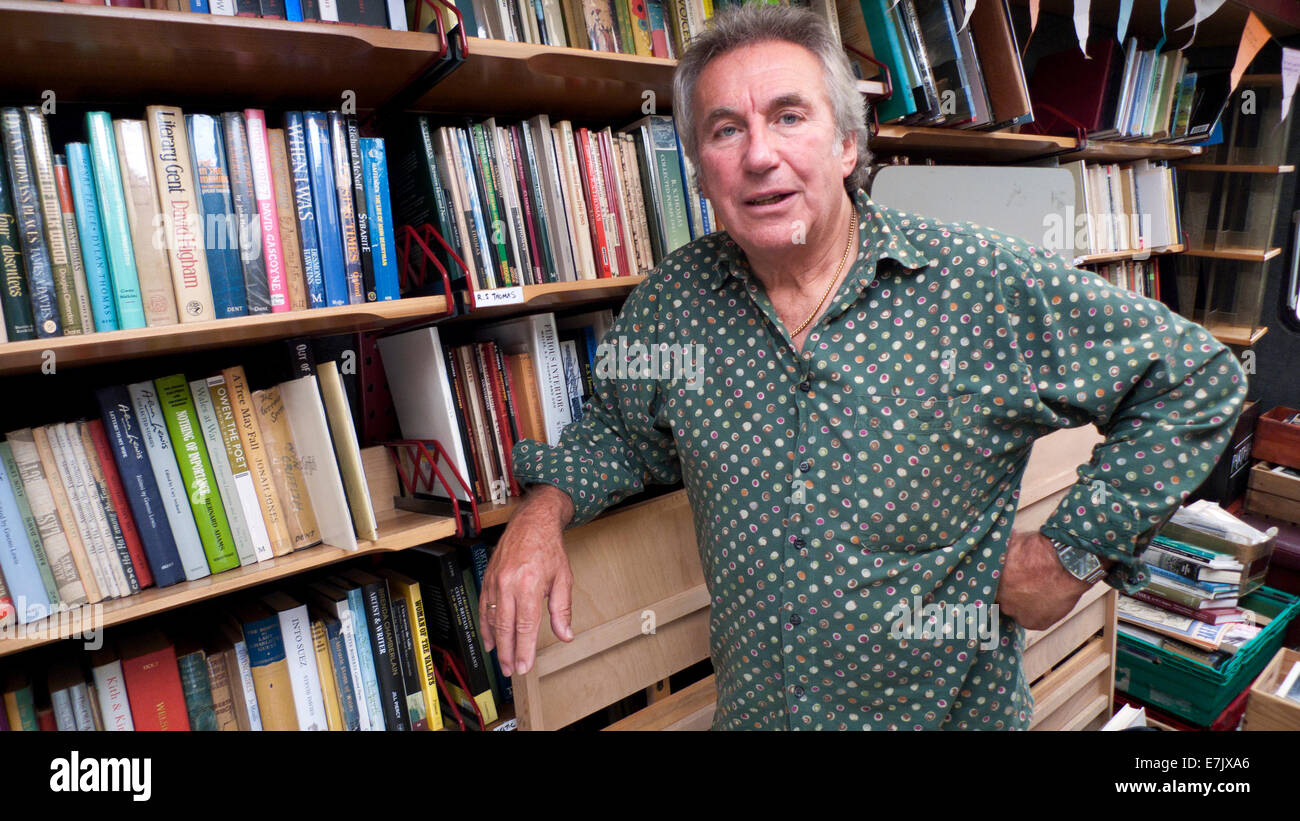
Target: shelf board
(503,79)
(555,295)
(109,346)
(1239,254)
(398,530)
(985,145)
(87,53)
(493,515)
(1237,169)
(1240,335)
(1119,151)
(1093,259)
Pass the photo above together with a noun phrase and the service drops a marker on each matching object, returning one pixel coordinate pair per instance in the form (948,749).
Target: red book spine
(526,197)
(45,720)
(120,504)
(596,210)
(615,196)
(153,687)
(259,152)
(488,361)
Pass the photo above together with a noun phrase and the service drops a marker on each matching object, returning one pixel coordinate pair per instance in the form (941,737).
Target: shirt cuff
(1108,529)
(538,463)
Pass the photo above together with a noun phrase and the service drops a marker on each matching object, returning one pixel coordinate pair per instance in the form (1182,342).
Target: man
(871,387)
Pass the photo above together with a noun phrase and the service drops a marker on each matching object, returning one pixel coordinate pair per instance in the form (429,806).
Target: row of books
(530,202)
(189,218)
(1130,93)
(524,378)
(945,70)
(1192,605)
(391,14)
(1142,276)
(177,480)
(1124,206)
(394,647)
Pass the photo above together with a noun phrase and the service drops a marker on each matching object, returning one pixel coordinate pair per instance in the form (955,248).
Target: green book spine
(196,470)
(117,232)
(27,710)
(29,522)
(498,227)
(65,285)
(19,323)
(664,142)
(198,691)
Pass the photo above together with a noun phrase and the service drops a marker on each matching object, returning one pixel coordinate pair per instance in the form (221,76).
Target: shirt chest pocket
(921,472)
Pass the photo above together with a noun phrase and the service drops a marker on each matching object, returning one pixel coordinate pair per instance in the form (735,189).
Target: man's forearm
(545,505)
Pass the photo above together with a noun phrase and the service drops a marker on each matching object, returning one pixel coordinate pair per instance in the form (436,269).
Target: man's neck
(807,265)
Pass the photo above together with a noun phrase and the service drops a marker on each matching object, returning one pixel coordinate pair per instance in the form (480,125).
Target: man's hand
(529,563)
(1035,588)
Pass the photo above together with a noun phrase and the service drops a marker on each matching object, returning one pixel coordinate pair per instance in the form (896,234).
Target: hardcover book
(221,229)
(143,213)
(110,194)
(90,231)
(153,683)
(181,218)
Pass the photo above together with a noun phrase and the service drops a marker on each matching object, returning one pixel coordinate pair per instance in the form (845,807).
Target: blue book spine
(476,207)
(16,558)
(300,172)
(361,629)
(98,279)
(320,161)
(217,215)
(292,10)
(342,675)
(383,249)
(139,485)
(31,224)
(200,6)
(117,232)
(264,640)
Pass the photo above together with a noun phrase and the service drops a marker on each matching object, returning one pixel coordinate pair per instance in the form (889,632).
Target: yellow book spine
(325,669)
(259,460)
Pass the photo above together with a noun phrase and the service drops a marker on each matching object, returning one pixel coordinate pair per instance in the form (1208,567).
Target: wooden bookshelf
(1094,259)
(112,346)
(550,296)
(490,515)
(986,146)
(1237,169)
(398,530)
(1119,151)
(1240,335)
(1238,254)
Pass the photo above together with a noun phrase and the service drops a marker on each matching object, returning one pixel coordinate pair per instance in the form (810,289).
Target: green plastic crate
(1194,691)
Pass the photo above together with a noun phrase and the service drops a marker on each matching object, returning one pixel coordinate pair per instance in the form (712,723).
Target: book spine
(197,690)
(241,473)
(76,253)
(293,10)
(380,216)
(475,214)
(550,372)
(304,675)
(525,171)
(111,198)
(347,695)
(215,443)
(491,203)
(385,654)
(257,293)
(286,468)
(30,225)
(87,570)
(28,520)
(286,210)
(196,472)
(61,702)
(74,308)
(404,645)
(475,477)
(182,221)
(171,485)
(361,208)
(425,664)
(144,216)
(110,688)
(320,157)
(328,683)
(218,225)
(366,658)
(15,301)
(471,652)
(270,670)
(140,486)
(94,531)
(17,560)
(247,686)
(543,220)
(250,435)
(131,560)
(117,497)
(594,191)
(604,147)
(305,208)
(567,157)
(503,174)
(223,697)
(419,196)
(346,209)
(67,579)
(347,631)
(259,151)
(83,708)
(478,562)
(94,251)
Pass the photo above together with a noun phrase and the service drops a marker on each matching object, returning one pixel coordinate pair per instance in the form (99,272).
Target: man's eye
(726,131)
(789,118)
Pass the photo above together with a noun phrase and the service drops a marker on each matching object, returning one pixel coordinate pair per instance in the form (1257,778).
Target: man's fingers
(487,615)
(561,606)
(528,620)
(502,620)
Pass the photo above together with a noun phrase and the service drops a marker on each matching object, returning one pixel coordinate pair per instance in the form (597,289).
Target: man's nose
(760,154)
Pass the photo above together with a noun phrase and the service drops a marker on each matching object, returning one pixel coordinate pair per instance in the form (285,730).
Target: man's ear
(849,153)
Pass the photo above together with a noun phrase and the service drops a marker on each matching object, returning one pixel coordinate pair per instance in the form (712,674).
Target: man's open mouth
(770,199)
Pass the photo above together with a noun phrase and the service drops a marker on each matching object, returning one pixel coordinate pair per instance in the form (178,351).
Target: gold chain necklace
(852,232)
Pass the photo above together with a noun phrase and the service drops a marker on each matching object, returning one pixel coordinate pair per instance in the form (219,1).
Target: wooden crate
(1266,711)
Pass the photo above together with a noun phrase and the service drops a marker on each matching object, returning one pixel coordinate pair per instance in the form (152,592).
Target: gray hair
(739,27)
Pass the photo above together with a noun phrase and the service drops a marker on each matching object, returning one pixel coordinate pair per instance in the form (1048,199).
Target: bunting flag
(1121,25)
(1204,8)
(1081,23)
(1253,38)
(1290,73)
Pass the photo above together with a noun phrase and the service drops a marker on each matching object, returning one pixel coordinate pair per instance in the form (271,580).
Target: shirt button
(805,466)
(794,619)
(805,385)
(797,542)
(798,691)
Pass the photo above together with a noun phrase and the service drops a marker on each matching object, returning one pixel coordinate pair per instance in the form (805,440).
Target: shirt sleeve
(618,446)
(1161,389)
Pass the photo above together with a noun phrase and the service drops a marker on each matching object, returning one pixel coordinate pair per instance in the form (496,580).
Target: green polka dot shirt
(848,494)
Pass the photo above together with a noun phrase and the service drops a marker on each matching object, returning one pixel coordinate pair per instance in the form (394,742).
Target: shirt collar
(882,233)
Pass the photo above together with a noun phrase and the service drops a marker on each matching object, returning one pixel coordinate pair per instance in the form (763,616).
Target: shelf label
(499,296)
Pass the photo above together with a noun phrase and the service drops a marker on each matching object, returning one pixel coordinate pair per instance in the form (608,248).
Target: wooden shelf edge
(554,295)
(1239,254)
(1093,259)
(1240,337)
(89,349)
(398,531)
(1236,169)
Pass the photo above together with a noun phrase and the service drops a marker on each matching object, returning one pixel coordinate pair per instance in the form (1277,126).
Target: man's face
(769,159)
